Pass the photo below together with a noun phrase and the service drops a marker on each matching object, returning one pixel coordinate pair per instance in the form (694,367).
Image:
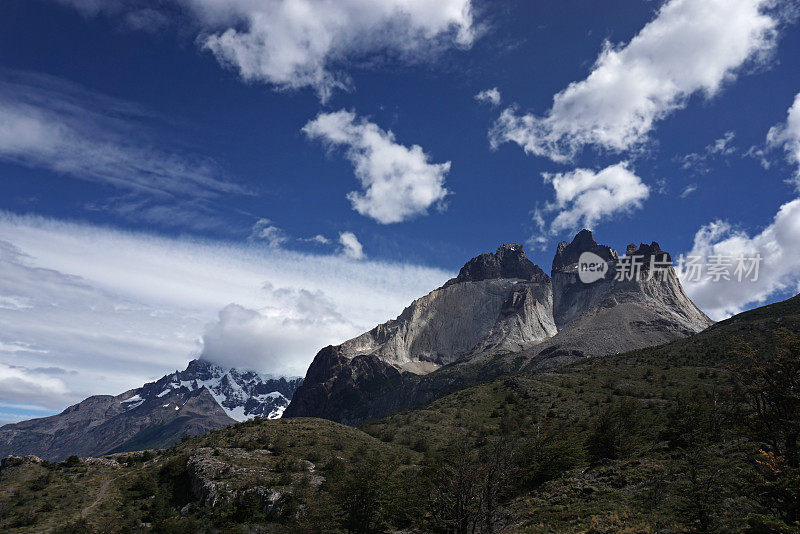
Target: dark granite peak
(508,262)
(568,253)
(645,250)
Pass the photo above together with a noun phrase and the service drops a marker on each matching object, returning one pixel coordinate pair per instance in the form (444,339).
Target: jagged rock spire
(567,254)
(508,262)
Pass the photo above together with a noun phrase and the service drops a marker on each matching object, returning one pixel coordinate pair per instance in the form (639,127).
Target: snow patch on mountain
(242,394)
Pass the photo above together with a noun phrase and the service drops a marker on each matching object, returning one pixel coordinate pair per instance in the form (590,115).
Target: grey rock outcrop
(215,482)
(500,314)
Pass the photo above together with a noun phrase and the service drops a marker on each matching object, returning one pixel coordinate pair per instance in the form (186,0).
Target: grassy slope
(276,454)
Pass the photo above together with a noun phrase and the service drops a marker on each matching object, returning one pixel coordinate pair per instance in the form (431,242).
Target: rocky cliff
(498,302)
(499,314)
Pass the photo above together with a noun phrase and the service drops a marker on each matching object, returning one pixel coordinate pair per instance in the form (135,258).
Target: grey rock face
(657,291)
(450,322)
(477,312)
(501,312)
(202,398)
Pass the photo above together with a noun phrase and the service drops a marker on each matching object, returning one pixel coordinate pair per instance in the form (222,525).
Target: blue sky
(153,150)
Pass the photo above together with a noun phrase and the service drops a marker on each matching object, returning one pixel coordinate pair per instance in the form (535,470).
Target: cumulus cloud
(292,44)
(690,47)
(351,247)
(117,309)
(489,96)
(399,182)
(264,230)
(779,269)
(48,123)
(278,336)
(584,197)
(787,137)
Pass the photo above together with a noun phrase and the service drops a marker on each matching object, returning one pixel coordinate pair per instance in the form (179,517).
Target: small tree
(701,487)
(614,432)
(467,486)
(455,501)
(497,462)
(769,388)
(363,494)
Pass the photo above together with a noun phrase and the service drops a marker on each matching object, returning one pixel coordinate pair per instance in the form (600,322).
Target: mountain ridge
(203,397)
(501,312)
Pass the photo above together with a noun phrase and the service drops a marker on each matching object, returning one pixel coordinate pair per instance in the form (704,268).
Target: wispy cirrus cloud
(690,47)
(399,182)
(48,123)
(698,162)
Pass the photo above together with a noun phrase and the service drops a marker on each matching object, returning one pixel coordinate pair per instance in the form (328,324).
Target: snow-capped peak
(242,394)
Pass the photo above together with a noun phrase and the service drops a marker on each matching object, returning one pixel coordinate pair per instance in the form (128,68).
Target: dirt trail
(104,490)
(100,495)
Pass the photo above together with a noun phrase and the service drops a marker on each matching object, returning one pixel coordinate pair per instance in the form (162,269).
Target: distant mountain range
(501,314)
(202,398)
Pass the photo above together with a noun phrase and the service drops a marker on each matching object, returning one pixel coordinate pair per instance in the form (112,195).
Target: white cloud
(691,188)
(13,302)
(398,181)
(779,269)
(723,145)
(23,385)
(120,308)
(787,136)
(698,162)
(351,247)
(52,124)
(278,336)
(489,96)
(19,347)
(319,239)
(585,197)
(264,230)
(692,46)
(292,44)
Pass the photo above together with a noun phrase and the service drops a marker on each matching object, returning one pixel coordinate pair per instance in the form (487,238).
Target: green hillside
(657,440)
